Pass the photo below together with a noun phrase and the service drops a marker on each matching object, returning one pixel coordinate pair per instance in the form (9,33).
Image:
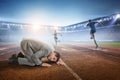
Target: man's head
(89,20)
(54,56)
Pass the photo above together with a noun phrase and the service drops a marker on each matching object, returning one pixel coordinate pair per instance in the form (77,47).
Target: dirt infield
(87,63)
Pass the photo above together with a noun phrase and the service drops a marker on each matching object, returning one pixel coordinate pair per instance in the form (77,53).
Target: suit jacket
(35,50)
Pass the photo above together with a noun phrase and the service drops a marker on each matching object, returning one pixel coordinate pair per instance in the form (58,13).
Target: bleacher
(10,31)
(109,31)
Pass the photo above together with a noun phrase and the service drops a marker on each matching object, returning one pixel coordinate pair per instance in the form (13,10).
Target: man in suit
(33,52)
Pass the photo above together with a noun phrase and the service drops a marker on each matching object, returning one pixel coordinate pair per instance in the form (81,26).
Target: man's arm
(36,58)
(86,25)
(46,65)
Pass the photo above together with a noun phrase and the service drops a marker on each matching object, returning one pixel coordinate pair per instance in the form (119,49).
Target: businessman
(33,53)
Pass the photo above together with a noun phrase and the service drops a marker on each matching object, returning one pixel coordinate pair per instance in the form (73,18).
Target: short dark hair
(57,54)
(89,20)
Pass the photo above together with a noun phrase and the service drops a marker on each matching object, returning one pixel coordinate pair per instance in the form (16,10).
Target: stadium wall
(106,33)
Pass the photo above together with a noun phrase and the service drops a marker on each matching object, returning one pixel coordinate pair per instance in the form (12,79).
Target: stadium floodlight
(110,18)
(117,16)
(35,25)
(105,19)
(74,26)
(100,20)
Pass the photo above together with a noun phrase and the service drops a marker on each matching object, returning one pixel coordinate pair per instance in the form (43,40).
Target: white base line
(71,71)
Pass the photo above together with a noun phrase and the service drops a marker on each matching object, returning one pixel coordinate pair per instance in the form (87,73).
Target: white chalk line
(75,75)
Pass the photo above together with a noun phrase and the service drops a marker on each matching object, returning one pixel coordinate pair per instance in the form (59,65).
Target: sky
(56,12)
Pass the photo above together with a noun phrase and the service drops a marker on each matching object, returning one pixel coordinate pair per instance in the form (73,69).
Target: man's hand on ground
(46,65)
(60,62)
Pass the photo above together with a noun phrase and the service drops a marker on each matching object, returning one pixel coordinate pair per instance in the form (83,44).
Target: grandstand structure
(12,31)
(109,31)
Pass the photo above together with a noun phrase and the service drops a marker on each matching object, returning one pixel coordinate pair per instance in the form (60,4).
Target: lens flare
(117,16)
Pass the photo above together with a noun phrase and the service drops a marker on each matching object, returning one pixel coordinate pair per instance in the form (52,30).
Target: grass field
(112,44)
(101,43)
